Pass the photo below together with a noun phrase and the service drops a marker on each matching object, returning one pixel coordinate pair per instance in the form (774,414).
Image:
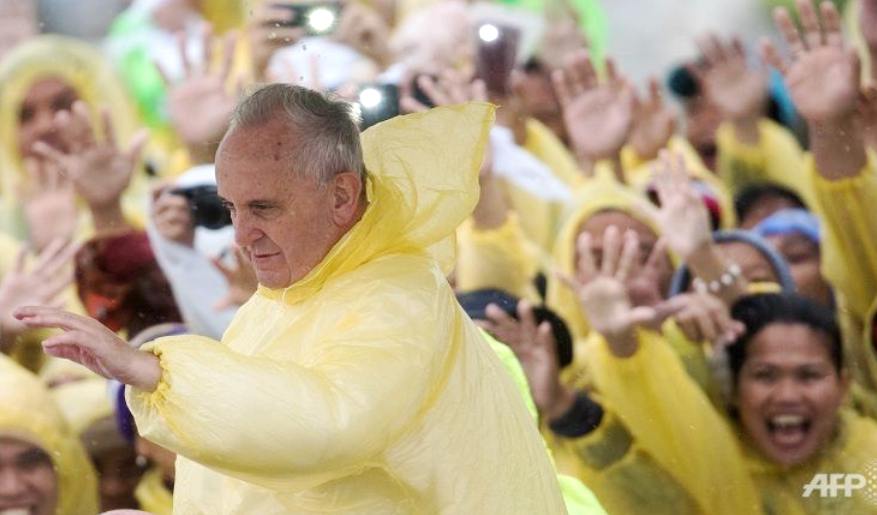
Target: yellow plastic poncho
(86,71)
(661,447)
(849,262)
(27,412)
(152,494)
(363,387)
(777,158)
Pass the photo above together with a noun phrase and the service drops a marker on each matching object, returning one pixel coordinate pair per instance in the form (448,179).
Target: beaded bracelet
(726,280)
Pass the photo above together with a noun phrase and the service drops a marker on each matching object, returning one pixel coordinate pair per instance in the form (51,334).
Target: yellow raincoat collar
(415,205)
(603,193)
(28,412)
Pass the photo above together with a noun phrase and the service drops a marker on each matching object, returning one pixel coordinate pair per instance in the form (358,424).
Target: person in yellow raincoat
(651,452)
(352,380)
(39,79)
(44,469)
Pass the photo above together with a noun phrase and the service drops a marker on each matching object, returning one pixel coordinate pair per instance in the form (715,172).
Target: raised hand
(705,318)
(99,170)
(41,285)
(452,87)
(823,76)
(603,294)
(736,88)
(49,203)
(200,105)
(598,114)
(683,218)
(91,344)
(653,123)
(268,32)
(241,278)
(535,348)
(362,28)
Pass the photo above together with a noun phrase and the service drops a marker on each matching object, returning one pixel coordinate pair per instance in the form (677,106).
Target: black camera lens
(207,208)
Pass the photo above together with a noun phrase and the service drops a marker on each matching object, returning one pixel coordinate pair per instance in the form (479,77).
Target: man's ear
(346,198)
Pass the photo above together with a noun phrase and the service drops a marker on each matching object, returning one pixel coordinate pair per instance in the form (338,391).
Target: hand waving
(100,170)
(50,275)
(200,105)
(598,115)
(737,89)
(603,294)
(823,76)
(49,203)
(683,217)
(653,123)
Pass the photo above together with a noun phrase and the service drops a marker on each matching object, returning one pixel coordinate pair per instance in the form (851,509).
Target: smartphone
(496,55)
(377,103)
(318,18)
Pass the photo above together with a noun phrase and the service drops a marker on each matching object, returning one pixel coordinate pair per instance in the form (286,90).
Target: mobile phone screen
(318,19)
(497,52)
(377,103)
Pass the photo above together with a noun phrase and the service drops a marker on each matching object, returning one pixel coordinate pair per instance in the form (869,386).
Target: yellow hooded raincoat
(27,412)
(363,387)
(86,71)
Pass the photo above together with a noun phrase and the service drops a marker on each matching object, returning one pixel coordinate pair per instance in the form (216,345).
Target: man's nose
(245,232)
(11,483)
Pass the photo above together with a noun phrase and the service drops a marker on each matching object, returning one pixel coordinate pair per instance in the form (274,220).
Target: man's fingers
(831,24)
(20,261)
(184,54)
(431,89)
(771,56)
(810,24)
(136,146)
(629,256)
(411,105)
(790,33)
(42,316)
(611,251)
(228,51)
(107,121)
(586,268)
(48,152)
(561,88)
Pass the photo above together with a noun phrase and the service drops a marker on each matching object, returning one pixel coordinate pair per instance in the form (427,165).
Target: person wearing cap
(795,233)
(352,380)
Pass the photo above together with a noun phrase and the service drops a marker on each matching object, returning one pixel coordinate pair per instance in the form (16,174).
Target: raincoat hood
(600,194)
(409,207)
(87,72)
(27,412)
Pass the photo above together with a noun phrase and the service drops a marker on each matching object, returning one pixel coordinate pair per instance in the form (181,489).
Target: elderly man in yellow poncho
(352,381)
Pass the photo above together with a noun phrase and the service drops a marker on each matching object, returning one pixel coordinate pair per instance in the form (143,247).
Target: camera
(318,19)
(377,103)
(207,208)
(498,46)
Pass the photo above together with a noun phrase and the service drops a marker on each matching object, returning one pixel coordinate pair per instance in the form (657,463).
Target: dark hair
(751,195)
(475,303)
(757,312)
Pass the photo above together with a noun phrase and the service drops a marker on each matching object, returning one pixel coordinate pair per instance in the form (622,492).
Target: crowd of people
(435,257)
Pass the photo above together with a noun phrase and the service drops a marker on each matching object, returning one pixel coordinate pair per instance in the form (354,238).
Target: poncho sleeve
(296,424)
(671,419)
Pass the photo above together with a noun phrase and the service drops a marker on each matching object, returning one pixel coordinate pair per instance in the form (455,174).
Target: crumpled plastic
(363,387)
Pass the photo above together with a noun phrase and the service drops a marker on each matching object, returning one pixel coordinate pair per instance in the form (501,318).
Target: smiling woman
(43,468)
